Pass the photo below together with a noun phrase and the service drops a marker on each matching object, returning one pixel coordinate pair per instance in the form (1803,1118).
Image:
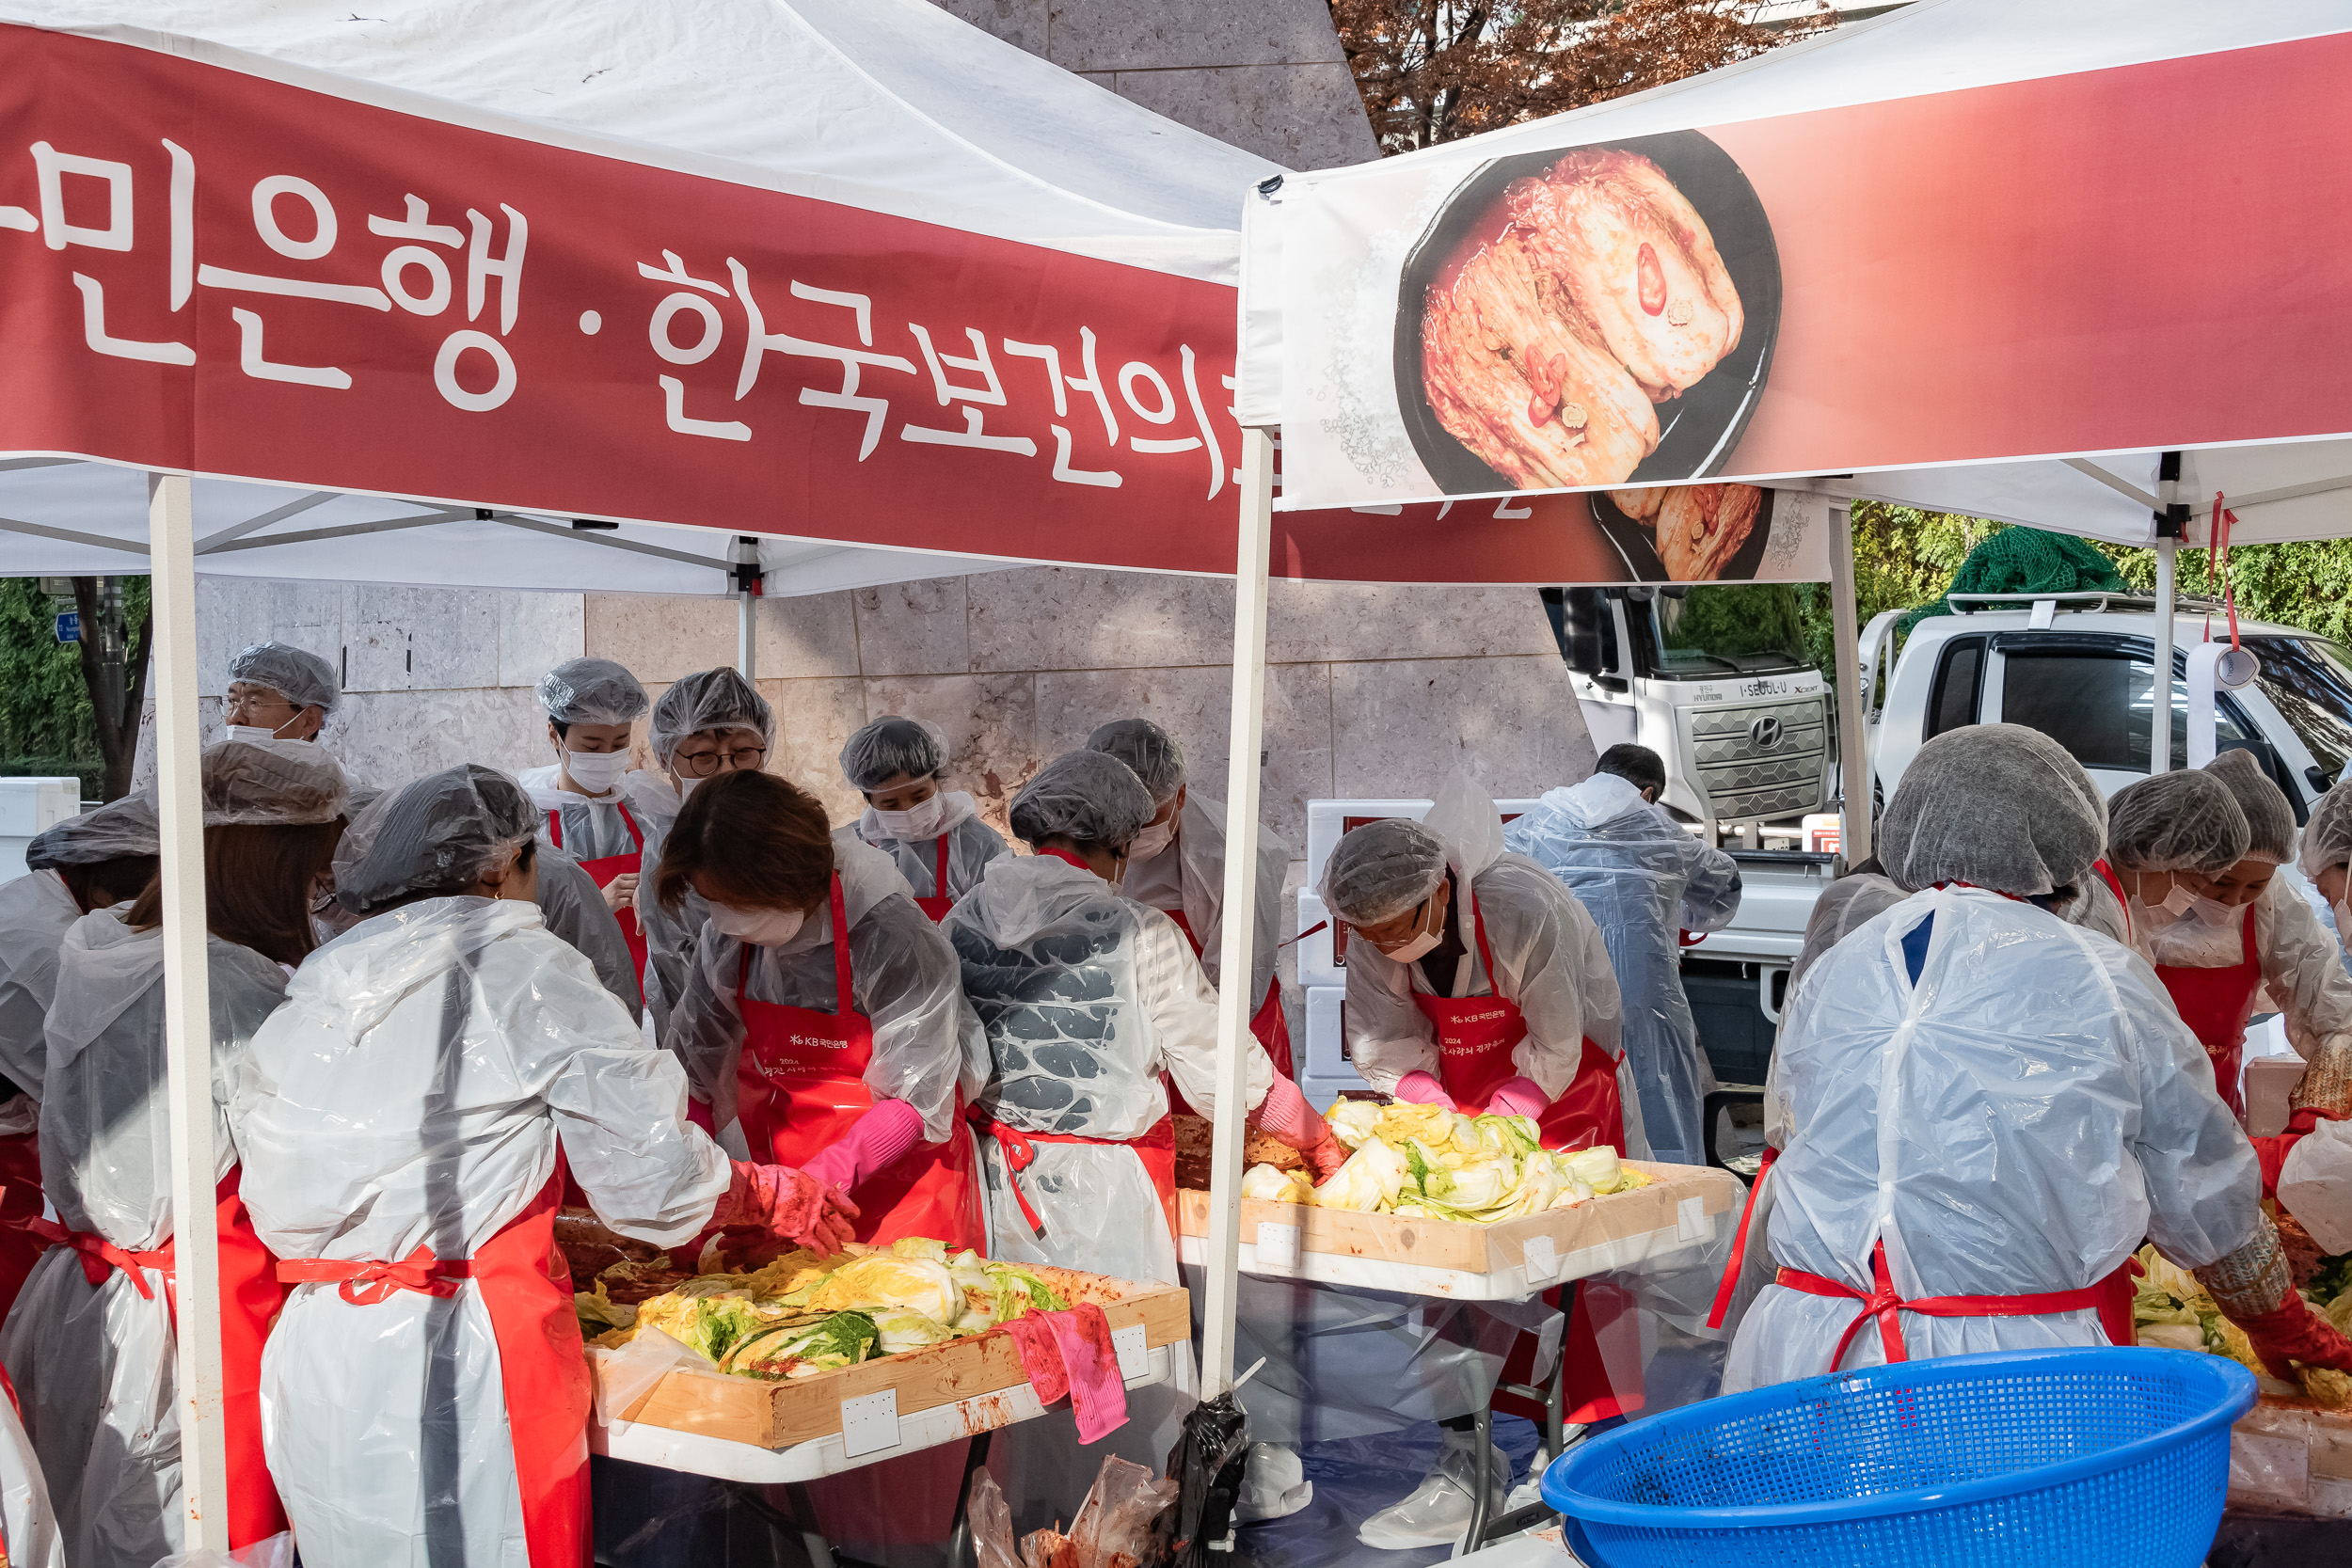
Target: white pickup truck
(2077,666)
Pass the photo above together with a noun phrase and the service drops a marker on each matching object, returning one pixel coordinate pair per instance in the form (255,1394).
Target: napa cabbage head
(1512,1136)
(885,1282)
(1266,1184)
(1353,1120)
(803,1349)
(1371,1180)
(1019,1291)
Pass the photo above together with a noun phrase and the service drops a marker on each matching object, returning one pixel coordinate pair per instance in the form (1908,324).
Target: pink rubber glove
(1420,1088)
(873,1144)
(1286,1115)
(788,1203)
(1518,1096)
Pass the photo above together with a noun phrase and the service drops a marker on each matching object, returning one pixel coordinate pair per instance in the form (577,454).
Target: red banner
(209,270)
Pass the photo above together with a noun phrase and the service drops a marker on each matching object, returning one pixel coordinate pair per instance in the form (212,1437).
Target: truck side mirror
(1584,630)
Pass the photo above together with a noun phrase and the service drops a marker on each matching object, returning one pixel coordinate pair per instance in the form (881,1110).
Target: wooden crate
(802,1410)
(1478,1249)
(2290,1456)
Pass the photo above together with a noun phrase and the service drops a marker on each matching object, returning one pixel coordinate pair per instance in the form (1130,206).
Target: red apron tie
(1739,1243)
(1156,1146)
(366,1282)
(1883,1304)
(101,1256)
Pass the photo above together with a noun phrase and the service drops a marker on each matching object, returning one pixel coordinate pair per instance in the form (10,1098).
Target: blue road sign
(70,626)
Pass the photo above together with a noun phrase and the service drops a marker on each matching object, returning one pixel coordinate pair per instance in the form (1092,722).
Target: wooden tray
(2290,1456)
(1681,1209)
(779,1415)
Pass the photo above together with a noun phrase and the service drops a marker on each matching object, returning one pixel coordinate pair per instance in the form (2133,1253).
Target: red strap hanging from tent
(2217,565)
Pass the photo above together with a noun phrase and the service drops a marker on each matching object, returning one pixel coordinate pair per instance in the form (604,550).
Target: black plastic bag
(1206,1464)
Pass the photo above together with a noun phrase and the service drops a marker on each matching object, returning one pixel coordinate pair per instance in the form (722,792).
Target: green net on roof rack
(2024,560)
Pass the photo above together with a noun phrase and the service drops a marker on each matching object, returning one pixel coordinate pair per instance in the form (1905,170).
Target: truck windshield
(2308,680)
(1752,629)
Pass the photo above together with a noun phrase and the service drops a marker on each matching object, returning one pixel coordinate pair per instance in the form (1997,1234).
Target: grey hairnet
(708,700)
(2185,821)
(443,830)
(2269,820)
(891,746)
(119,830)
(1378,871)
(277,783)
(592,691)
(1092,797)
(300,676)
(2327,837)
(1999,806)
(1146,748)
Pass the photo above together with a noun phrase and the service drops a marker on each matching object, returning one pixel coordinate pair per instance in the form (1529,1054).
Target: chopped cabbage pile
(1427,1163)
(801,1314)
(2171,1310)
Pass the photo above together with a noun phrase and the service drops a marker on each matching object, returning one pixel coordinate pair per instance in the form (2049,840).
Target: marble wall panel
(991,724)
(814,717)
(537,632)
(1349,620)
(1019,23)
(802,636)
(389,738)
(1119,35)
(660,636)
(1401,728)
(234,612)
(1074,618)
(1299,116)
(915,628)
(420,639)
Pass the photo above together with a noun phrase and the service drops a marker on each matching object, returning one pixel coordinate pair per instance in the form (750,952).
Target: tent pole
(187,1010)
(1853,762)
(1235,1004)
(2160,673)
(746,609)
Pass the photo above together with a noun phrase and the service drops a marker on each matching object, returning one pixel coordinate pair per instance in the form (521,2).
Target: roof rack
(2086,603)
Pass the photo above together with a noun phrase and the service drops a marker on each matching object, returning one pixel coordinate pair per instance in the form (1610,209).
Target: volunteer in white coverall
(85,863)
(89,1344)
(1643,879)
(591,705)
(279,692)
(934,834)
(1987,1100)
(402,1119)
(707,724)
(2166,835)
(2310,1164)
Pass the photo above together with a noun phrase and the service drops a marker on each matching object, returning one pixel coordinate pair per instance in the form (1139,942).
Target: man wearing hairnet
(707,724)
(935,834)
(1643,878)
(591,705)
(89,1344)
(401,1120)
(91,861)
(278,691)
(1177,866)
(1992,1106)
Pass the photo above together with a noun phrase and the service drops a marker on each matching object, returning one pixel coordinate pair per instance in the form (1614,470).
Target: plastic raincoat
(1191,881)
(573,908)
(1087,998)
(30,1536)
(2301,969)
(971,844)
(1641,879)
(669,938)
(2014,1121)
(94,1364)
(412,1094)
(35,910)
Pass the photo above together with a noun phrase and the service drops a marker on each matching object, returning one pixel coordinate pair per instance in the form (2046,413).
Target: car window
(1953,703)
(2096,704)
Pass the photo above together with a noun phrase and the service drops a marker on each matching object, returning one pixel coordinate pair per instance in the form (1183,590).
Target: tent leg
(2160,710)
(746,612)
(1235,1004)
(187,1010)
(1854,757)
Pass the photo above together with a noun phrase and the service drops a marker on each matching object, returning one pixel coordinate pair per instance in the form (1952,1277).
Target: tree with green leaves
(67,707)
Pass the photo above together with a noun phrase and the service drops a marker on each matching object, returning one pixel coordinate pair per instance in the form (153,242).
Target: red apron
(250,1296)
(1269,1023)
(2115,885)
(2112,1298)
(2216,1003)
(799,1084)
(601,871)
(1156,1146)
(543,1370)
(19,1206)
(941,900)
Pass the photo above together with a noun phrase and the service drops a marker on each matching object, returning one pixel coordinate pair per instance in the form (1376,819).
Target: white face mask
(596,771)
(760,927)
(1156,837)
(2215,912)
(686,783)
(1424,941)
(2187,943)
(253,733)
(916,823)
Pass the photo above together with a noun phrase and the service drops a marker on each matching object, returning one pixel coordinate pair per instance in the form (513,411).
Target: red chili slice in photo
(1651,278)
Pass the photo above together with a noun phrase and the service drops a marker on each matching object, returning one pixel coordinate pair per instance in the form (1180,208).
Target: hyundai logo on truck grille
(1764,733)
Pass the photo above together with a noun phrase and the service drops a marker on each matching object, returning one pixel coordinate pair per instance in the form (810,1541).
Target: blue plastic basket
(2042,1458)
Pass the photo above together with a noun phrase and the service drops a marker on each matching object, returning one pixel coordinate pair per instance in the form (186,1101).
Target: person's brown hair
(257,886)
(103,884)
(753,838)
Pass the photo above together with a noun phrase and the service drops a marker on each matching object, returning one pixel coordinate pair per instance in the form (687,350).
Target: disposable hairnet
(1146,748)
(279,783)
(2186,821)
(116,831)
(1092,797)
(591,691)
(1378,871)
(708,700)
(891,746)
(1999,806)
(2327,837)
(2269,820)
(297,674)
(443,830)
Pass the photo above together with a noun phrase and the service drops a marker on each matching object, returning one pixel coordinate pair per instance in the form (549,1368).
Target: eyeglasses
(249,705)
(703,765)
